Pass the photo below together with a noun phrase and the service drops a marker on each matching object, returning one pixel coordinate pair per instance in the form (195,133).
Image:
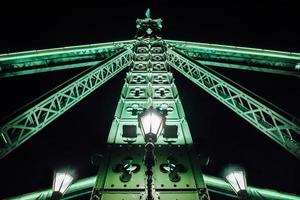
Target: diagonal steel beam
(275,123)
(214,184)
(260,60)
(217,64)
(37,61)
(22,127)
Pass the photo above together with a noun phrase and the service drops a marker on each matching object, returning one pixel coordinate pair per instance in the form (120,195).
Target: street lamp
(151,123)
(61,183)
(237,181)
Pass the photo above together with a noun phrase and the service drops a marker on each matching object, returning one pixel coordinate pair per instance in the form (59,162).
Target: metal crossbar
(46,60)
(260,60)
(28,123)
(281,129)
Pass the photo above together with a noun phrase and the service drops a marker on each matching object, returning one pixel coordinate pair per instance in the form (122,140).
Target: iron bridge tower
(149,82)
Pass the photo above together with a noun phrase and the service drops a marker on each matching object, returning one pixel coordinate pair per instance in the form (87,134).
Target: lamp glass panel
(67,182)
(59,178)
(237,180)
(156,121)
(240,176)
(146,123)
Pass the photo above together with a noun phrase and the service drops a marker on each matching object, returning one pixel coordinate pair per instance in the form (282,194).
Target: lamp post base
(243,195)
(56,196)
(149,161)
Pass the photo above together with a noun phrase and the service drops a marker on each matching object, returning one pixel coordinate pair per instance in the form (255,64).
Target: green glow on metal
(248,67)
(61,50)
(260,60)
(136,95)
(149,83)
(84,183)
(28,123)
(214,184)
(46,194)
(48,69)
(149,94)
(75,190)
(31,62)
(21,63)
(220,186)
(235,49)
(282,128)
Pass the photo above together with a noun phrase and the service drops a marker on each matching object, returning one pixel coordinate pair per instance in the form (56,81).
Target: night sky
(82,131)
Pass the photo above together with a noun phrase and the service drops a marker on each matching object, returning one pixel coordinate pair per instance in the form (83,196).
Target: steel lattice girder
(36,61)
(281,129)
(28,123)
(260,60)
(214,184)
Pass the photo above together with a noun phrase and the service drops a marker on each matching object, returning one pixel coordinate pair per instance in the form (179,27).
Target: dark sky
(82,131)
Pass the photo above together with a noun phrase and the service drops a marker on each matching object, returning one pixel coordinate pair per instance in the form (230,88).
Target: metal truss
(85,186)
(260,60)
(37,61)
(282,129)
(28,123)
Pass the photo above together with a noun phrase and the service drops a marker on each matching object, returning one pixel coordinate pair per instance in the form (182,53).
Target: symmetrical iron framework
(149,82)
(26,124)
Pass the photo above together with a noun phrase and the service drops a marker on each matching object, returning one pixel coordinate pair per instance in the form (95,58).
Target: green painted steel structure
(275,123)
(231,53)
(212,55)
(84,186)
(261,60)
(37,61)
(149,82)
(32,120)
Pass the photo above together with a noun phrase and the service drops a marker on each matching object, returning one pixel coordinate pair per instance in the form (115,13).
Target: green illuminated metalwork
(28,123)
(14,64)
(30,62)
(214,184)
(278,127)
(248,67)
(218,185)
(79,188)
(261,60)
(150,83)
